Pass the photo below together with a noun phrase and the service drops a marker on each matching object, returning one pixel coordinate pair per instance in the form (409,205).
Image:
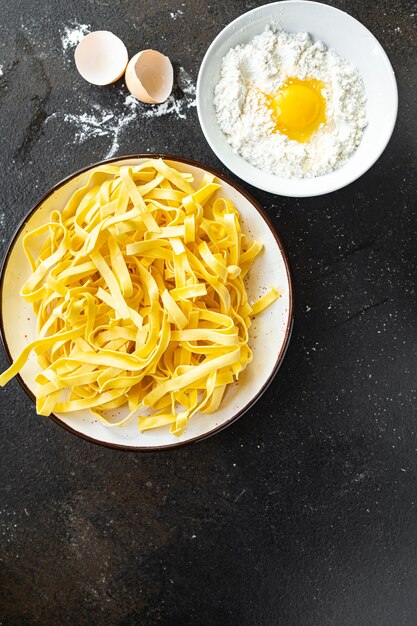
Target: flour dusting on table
(72,34)
(253,71)
(106,124)
(174,14)
(111,123)
(2,227)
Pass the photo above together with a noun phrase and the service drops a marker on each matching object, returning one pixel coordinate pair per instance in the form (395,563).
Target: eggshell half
(101,57)
(149,76)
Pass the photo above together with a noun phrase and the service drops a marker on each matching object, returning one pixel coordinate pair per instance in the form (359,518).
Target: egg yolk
(298,108)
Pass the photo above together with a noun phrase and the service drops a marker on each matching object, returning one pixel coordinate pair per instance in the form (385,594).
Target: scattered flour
(2,227)
(175,14)
(103,124)
(8,524)
(261,67)
(72,35)
(111,124)
(1,70)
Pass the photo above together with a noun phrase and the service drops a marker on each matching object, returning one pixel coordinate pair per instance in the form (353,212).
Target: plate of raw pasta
(146,302)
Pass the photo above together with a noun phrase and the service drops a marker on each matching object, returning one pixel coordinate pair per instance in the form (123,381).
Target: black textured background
(303,512)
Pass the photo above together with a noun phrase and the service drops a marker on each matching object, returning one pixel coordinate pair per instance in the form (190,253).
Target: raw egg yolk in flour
(298,108)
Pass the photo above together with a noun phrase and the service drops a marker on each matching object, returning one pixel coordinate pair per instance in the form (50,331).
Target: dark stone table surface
(304,512)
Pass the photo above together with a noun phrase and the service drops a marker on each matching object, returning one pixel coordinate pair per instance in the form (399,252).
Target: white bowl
(269,333)
(353,42)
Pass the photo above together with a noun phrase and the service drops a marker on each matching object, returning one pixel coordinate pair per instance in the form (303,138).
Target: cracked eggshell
(149,76)
(101,57)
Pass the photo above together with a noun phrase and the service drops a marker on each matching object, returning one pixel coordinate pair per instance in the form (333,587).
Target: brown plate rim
(281,355)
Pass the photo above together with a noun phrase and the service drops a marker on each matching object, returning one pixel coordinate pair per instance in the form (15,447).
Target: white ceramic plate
(270,331)
(352,41)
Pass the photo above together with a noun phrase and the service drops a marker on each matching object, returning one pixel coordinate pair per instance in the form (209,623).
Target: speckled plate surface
(269,334)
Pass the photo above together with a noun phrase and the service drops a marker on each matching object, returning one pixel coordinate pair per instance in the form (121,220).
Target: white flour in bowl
(263,66)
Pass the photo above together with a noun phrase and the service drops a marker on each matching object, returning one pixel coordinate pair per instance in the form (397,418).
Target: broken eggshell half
(149,76)
(101,57)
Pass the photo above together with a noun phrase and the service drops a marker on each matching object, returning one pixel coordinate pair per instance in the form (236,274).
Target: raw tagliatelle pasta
(138,289)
